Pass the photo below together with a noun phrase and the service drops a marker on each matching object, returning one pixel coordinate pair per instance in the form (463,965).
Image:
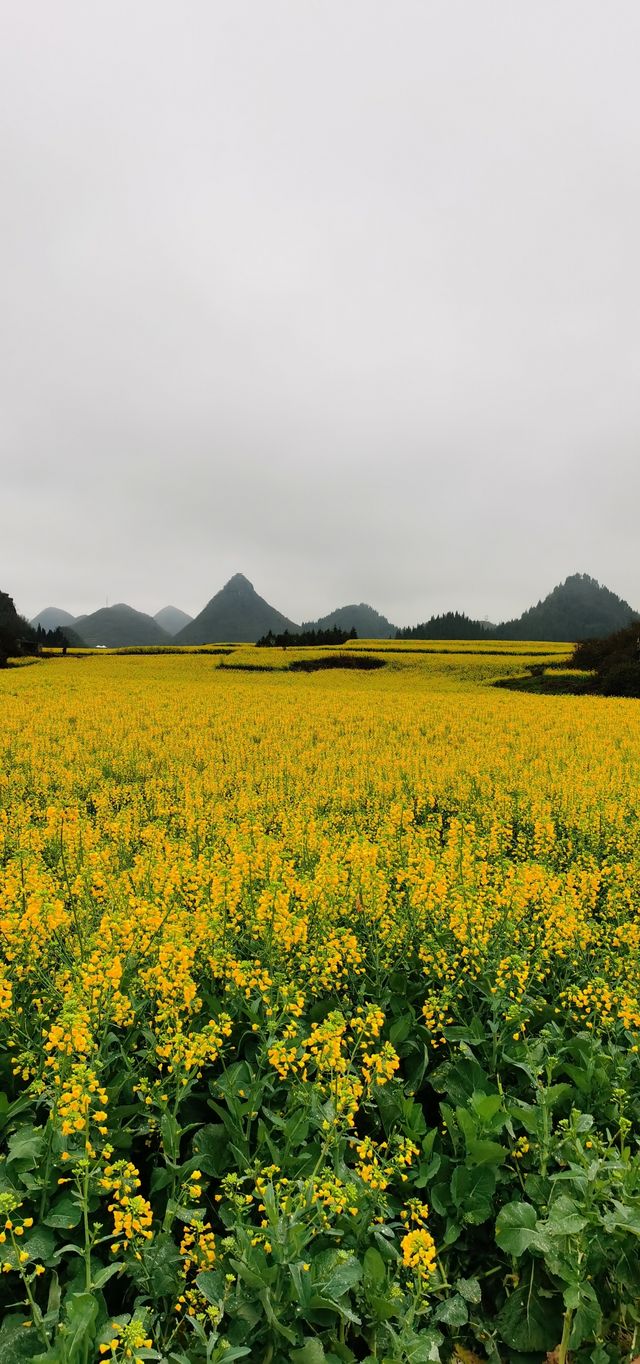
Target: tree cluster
(450,625)
(288,640)
(615,661)
(15,631)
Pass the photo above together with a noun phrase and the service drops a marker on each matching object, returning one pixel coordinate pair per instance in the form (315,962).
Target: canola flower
(215,889)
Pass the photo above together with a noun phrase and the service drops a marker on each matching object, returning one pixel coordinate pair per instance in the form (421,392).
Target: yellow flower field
(320,1000)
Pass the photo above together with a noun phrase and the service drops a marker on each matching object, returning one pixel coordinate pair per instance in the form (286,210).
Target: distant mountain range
(579,608)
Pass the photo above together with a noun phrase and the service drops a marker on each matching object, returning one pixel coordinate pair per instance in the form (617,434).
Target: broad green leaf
(469,1289)
(65,1212)
(529,1323)
(401,1029)
(344,1277)
(472,1191)
(486,1105)
(516,1227)
(485,1152)
(26,1145)
(107,1273)
(311,1352)
(424,1348)
(40,1243)
(452,1312)
(587,1317)
(81,1311)
(211,1285)
(16,1344)
(161,1263)
(374,1267)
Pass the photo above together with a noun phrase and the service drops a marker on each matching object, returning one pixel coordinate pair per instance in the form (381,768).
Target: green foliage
(15,632)
(615,660)
(450,625)
(304,637)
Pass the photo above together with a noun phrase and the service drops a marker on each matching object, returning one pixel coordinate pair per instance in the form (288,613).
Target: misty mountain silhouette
(367,622)
(51,617)
(172,619)
(236,615)
(119,626)
(578,608)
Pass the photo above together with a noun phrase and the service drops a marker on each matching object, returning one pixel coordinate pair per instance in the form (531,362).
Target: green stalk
(36,1314)
(563,1347)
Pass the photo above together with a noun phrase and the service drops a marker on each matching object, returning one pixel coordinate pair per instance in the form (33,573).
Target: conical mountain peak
(238,583)
(235,615)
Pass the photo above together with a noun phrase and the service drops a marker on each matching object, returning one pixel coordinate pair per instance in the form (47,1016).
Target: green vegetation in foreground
(320,1001)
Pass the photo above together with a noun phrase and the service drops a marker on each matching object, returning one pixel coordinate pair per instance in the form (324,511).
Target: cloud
(341,296)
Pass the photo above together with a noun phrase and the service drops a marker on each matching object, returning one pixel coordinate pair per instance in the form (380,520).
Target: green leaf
(555,1094)
(211,1285)
(424,1348)
(516,1227)
(374,1268)
(65,1212)
(530,1117)
(587,1318)
(484,1152)
(469,1289)
(160,1266)
(461,1079)
(486,1105)
(248,1275)
(344,1277)
(170,1135)
(105,1274)
(40,1244)
(53,1300)
(564,1218)
(311,1352)
(528,1322)
(453,1312)
(401,1029)
(570,1225)
(81,1310)
(467,1124)
(211,1146)
(472,1191)
(17,1344)
(26,1145)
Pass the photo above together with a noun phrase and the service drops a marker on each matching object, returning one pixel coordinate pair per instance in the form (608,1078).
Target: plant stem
(563,1347)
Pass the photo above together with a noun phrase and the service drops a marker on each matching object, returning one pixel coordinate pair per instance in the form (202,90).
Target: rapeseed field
(320,1011)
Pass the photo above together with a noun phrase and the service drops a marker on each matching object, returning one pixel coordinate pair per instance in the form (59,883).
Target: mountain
(235,615)
(368,623)
(51,617)
(172,619)
(579,608)
(119,626)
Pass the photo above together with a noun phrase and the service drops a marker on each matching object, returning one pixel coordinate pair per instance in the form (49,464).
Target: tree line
(290,640)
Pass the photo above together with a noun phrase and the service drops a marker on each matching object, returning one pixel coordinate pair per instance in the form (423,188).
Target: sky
(343,295)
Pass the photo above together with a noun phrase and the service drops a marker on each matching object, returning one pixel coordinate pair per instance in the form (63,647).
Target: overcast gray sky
(341,294)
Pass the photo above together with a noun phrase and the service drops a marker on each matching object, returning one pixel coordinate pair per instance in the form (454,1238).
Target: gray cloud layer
(340,293)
